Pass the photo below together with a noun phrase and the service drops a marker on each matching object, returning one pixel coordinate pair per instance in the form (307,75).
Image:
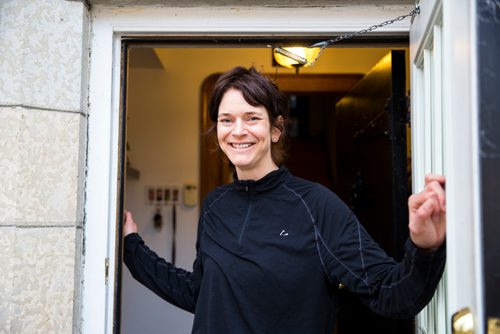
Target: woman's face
(244,135)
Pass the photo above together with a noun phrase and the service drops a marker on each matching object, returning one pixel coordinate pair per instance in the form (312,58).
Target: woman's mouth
(241,145)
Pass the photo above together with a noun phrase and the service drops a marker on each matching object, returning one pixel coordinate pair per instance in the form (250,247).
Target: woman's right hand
(427,211)
(129,226)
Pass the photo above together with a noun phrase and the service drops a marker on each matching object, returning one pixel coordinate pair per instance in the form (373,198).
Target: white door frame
(109,25)
(461,109)
(442,53)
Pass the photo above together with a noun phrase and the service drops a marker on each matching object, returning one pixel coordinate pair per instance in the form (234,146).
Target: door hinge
(106,270)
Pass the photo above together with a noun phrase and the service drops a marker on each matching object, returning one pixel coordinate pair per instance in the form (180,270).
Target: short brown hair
(258,90)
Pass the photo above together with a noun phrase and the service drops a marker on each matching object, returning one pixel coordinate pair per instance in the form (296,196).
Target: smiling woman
(241,90)
(246,132)
(272,248)
(244,135)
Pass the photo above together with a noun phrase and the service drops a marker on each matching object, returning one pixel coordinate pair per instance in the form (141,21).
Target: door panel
(372,162)
(427,131)
(444,133)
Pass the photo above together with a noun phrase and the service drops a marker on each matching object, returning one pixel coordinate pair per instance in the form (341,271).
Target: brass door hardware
(462,322)
(493,325)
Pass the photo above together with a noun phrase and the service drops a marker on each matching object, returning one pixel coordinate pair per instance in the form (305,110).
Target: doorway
(163,142)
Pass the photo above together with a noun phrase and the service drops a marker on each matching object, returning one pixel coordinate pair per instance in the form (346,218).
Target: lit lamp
(295,57)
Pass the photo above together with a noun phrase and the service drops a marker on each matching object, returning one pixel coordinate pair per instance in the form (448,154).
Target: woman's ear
(276,132)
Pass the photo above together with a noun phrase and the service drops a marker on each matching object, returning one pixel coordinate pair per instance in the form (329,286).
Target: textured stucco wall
(42,149)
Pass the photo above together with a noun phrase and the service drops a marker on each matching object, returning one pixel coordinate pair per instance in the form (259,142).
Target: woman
(272,248)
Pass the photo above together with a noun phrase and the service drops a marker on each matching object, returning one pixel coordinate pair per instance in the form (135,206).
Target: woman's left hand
(427,213)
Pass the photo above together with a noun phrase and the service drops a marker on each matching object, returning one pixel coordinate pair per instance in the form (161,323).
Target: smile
(242,145)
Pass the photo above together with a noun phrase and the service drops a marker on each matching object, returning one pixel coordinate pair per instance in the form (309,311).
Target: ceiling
(246,3)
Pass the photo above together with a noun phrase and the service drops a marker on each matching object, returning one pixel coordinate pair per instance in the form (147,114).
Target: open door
(445,45)
(371,128)
(426,61)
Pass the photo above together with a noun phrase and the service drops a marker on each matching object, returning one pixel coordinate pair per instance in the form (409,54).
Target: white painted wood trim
(441,324)
(108,26)
(98,186)
(427,86)
(476,177)
(461,156)
(417,127)
(427,155)
(252,20)
(421,31)
(428,111)
(437,103)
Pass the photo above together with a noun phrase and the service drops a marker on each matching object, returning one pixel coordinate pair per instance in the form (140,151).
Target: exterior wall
(42,157)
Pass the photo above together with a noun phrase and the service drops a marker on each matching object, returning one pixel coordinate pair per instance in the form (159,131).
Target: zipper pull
(246,188)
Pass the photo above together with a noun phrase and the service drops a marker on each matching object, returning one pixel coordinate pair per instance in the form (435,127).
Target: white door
(444,140)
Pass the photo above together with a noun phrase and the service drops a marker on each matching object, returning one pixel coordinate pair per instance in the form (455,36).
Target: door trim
(108,26)
(463,188)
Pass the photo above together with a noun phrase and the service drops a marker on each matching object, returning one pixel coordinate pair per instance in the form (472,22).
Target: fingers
(435,177)
(129,226)
(127,217)
(429,208)
(427,211)
(435,184)
(416,200)
(431,202)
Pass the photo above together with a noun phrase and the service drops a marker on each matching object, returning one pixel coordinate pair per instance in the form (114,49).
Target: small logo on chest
(284,233)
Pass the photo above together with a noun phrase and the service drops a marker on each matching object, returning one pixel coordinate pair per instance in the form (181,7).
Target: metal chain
(323,44)
(303,61)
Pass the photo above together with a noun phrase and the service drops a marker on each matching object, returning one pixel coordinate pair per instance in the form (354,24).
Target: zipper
(245,222)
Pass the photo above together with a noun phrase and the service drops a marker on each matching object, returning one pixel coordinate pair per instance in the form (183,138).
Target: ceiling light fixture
(296,57)
(293,57)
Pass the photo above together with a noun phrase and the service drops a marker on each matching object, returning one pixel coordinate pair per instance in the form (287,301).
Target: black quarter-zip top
(270,254)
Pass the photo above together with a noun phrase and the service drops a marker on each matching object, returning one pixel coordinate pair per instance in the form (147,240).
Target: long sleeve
(177,286)
(351,257)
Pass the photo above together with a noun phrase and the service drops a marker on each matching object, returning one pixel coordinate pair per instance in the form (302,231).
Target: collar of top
(269,181)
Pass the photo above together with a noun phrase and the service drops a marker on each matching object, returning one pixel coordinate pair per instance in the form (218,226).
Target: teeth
(241,145)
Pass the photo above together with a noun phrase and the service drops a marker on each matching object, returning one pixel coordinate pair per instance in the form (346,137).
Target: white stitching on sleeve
(324,243)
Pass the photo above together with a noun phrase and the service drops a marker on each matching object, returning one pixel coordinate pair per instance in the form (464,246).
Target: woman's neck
(253,174)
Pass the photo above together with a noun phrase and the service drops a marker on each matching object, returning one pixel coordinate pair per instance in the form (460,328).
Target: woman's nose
(239,127)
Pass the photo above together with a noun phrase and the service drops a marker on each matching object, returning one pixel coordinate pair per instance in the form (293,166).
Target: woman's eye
(224,120)
(253,119)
